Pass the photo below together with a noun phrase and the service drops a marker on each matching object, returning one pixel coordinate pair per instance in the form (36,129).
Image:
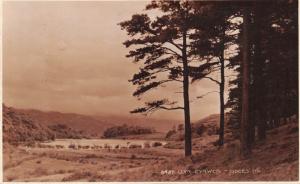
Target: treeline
(62,131)
(265,92)
(124,130)
(252,44)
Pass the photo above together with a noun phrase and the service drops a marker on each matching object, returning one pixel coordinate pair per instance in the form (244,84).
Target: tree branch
(207,94)
(174,44)
(155,105)
(212,79)
(171,108)
(172,51)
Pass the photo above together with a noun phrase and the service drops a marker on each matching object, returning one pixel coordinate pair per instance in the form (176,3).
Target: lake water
(103,143)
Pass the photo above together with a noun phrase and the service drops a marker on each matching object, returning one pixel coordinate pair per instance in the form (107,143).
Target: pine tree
(162,46)
(214,35)
(273,69)
(245,123)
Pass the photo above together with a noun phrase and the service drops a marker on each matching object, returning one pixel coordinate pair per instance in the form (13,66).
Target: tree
(274,53)
(264,85)
(162,45)
(245,123)
(258,73)
(281,58)
(215,33)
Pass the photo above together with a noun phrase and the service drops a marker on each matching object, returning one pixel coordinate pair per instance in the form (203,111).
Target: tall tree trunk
(245,123)
(260,93)
(222,84)
(252,113)
(222,107)
(187,121)
(252,89)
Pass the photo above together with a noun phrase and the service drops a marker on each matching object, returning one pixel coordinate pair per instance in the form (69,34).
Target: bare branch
(207,94)
(171,108)
(212,79)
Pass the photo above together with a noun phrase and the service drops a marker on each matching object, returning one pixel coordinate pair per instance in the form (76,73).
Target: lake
(104,143)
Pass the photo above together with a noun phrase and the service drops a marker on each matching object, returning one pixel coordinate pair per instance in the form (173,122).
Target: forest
(255,41)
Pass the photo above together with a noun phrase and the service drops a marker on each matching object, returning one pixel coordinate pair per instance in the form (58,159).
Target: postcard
(150,91)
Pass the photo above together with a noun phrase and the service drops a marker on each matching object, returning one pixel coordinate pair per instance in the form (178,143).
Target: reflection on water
(103,143)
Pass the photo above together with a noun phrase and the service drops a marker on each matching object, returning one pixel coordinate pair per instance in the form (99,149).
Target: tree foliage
(190,40)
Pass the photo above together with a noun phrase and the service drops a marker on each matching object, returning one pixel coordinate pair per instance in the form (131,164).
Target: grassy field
(270,161)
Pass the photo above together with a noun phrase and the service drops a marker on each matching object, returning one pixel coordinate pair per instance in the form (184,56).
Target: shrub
(170,133)
(30,144)
(133,156)
(124,130)
(133,146)
(147,145)
(156,144)
(72,146)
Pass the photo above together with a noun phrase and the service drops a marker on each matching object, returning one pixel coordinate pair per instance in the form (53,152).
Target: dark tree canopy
(190,40)
(157,46)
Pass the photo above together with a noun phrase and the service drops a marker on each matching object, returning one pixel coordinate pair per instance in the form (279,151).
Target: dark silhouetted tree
(162,46)
(264,98)
(215,34)
(245,123)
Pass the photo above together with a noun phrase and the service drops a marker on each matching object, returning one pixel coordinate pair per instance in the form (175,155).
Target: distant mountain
(83,125)
(160,125)
(87,124)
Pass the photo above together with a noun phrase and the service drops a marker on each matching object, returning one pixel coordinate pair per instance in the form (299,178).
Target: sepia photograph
(150,91)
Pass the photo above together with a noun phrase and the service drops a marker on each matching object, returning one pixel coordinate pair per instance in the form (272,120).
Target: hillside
(205,127)
(17,127)
(275,159)
(95,125)
(70,125)
(78,122)
(21,127)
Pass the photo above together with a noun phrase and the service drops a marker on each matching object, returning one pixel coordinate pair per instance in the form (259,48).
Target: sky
(69,57)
